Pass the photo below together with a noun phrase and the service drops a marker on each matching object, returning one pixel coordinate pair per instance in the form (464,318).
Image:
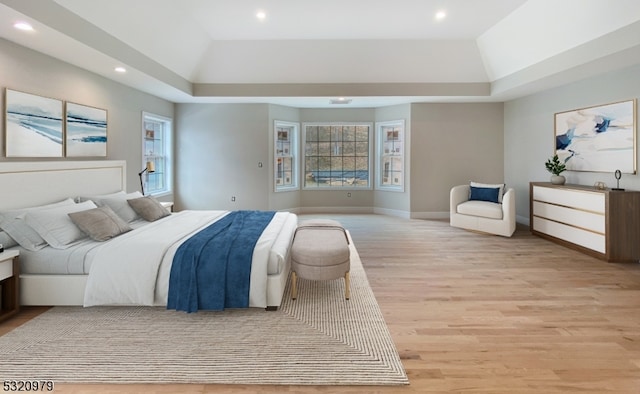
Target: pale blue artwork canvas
(86,131)
(33,126)
(598,139)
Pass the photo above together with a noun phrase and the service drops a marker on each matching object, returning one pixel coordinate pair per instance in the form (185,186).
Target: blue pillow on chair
(500,186)
(484,194)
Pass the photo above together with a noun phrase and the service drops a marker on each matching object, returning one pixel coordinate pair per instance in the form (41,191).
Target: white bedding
(75,260)
(134,268)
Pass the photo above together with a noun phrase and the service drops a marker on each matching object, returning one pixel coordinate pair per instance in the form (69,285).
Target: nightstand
(168,205)
(9,284)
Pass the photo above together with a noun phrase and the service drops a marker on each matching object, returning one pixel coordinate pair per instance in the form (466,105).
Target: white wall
(32,72)
(218,151)
(452,144)
(529,131)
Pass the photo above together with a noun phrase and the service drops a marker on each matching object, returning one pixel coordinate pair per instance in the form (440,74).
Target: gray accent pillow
(148,208)
(100,224)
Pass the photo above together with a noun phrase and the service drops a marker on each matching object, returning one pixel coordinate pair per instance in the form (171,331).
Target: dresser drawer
(573,217)
(585,200)
(6,269)
(575,235)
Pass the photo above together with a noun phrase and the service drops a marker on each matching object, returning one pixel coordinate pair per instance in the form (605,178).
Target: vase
(558,179)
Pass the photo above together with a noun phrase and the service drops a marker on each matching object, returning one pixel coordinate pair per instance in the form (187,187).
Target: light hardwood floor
(475,313)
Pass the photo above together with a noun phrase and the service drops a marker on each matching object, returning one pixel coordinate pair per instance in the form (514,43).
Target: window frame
(293,154)
(164,161)
(370,153)
(399,152)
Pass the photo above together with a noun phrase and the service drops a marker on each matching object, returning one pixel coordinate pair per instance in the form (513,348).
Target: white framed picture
(86,131)
(33,125)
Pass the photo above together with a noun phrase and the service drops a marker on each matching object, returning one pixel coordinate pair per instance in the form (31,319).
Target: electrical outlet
(233,198)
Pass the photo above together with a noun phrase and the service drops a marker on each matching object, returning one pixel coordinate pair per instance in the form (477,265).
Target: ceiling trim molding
(474,89)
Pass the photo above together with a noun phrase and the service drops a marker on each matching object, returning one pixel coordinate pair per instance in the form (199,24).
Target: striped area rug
(318,339)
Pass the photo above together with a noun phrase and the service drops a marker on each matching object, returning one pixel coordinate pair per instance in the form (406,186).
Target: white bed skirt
(68,290)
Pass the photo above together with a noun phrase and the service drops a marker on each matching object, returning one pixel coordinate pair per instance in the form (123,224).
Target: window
(390,158)
(156,145)
(286,155)
(337,155)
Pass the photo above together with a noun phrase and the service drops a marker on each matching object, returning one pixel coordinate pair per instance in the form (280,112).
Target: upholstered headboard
(24,184)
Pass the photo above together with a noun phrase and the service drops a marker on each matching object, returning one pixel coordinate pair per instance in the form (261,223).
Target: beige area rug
(319,339)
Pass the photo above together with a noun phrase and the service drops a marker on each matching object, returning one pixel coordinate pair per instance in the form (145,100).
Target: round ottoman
(320,251)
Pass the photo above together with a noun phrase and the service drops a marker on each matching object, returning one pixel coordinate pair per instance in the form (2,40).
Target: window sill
(161,194)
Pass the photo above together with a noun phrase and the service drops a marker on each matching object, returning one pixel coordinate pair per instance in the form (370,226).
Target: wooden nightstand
(9,284)
(168,205)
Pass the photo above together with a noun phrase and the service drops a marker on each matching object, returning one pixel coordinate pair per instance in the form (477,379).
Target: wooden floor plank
(476,313)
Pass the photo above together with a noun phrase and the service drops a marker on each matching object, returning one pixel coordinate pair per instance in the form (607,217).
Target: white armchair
(483,216)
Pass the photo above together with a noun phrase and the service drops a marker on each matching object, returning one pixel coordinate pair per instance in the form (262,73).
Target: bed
(89,272)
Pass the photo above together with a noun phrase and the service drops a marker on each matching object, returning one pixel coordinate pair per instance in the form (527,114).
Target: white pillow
(94,198)
(20,231)
(6,240)
(491,186)
(120,206)
(55,226)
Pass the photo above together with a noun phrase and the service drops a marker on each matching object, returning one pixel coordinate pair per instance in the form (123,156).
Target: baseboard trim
(523,220)
(392,212)
(336,210)
(430,215)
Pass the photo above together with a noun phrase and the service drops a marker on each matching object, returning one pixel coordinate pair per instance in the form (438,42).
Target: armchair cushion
(483,209)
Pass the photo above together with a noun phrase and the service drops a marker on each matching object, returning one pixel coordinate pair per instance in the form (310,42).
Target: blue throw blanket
(212,269)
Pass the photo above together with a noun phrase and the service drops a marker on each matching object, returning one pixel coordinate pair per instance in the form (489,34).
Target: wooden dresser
(601,223)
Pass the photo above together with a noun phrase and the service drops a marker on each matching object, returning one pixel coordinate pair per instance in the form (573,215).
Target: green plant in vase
(555,167)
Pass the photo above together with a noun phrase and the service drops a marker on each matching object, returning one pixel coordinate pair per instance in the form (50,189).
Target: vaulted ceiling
(305,53)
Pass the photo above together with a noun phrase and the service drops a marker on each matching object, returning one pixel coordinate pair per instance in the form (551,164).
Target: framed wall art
(598,139)
(86,131)
(33,125)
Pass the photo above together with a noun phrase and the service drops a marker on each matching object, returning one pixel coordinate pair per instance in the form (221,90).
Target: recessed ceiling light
(340,100)
(120,70)
(261,15)
(23,26)
(440,15)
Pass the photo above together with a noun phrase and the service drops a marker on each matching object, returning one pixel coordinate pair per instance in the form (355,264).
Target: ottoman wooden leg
(294,285)
(347,286)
